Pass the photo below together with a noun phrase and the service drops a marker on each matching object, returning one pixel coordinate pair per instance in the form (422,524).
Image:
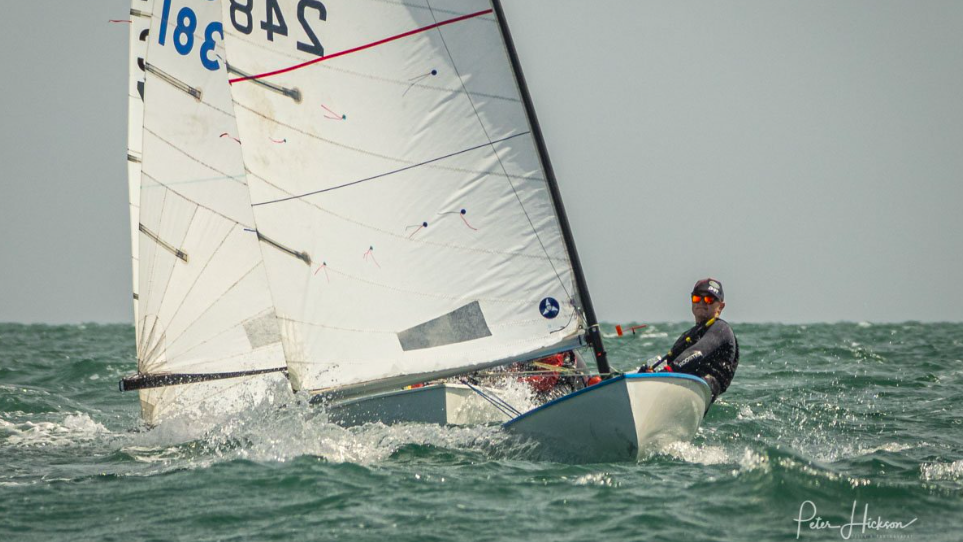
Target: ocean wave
(74,428)
(601,479)
(287,427)
(932,472)
(745,458)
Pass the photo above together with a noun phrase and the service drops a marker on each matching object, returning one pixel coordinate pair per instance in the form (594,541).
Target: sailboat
(207,337)
(377,167)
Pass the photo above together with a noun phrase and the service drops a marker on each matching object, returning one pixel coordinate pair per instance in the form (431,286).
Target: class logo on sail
(549,307)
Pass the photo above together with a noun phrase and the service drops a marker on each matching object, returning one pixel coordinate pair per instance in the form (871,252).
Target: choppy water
(829,413)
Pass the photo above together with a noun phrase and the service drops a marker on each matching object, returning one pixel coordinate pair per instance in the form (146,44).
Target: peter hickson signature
(846,530)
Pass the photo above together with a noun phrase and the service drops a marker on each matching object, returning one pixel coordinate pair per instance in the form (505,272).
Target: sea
(839,431)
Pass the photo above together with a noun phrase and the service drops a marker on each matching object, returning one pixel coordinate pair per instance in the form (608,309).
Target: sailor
(709,349)
(556,375)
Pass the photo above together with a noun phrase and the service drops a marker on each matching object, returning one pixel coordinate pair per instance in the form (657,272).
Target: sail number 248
(242,17)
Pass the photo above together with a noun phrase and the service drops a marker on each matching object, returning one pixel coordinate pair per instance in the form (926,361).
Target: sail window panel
(463,324)
(262,330)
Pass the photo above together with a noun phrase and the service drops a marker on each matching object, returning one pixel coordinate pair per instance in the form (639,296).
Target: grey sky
(807,154)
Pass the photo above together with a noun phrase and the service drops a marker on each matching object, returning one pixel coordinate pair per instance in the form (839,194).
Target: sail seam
(200,273)
(418,6)
(163,293)
(150,356)
(389,173)
(361,47)
(497,156)
(221,359)
(227,330)
(399,236)
(398,82)
(497,325)
(172,342)
(170,276)
(381,156)
(422,294)
(153,261)
(185,198)
(194,158)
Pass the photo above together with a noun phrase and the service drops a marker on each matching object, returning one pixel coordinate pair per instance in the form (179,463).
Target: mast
(594,335)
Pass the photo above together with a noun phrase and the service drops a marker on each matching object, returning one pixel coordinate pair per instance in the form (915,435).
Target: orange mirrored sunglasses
(707,299)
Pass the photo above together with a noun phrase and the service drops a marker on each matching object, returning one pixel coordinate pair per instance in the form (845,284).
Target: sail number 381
(242,17)
(185,26)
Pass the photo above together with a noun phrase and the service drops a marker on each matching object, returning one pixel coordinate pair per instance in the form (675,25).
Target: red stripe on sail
(362,47)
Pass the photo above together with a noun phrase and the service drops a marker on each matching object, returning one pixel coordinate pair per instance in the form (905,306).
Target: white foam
(602,479)
(931,472)
(74,428)
(746,413)
(745,459)
(704,454)
(281,429)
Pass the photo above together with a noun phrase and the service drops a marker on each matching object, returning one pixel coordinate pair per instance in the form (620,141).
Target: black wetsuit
(709,351)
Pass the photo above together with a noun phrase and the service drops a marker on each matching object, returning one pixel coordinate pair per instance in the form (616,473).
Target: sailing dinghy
(208,341)
(377,173)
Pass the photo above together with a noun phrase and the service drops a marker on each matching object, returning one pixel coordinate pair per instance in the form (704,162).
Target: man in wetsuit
(708,350)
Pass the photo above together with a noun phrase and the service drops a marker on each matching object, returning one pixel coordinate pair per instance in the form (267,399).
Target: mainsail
(205,317)
(405,218)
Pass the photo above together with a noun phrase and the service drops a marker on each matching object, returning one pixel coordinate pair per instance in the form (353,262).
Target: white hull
(443,404)
(618,419)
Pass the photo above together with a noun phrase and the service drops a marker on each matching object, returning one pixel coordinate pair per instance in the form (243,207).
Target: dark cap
(709,287)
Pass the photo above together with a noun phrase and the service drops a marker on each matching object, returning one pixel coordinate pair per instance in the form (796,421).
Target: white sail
(406,222)
(204,304)
(140,17)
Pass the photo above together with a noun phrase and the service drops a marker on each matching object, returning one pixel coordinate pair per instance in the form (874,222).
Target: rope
(496,401)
